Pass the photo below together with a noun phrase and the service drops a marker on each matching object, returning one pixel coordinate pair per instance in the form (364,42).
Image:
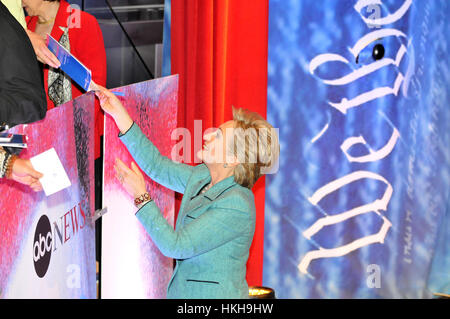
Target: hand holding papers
(23,173)
(70,65)
(94,87)
(111,105)
(43,54)
(55,177)
(74,68)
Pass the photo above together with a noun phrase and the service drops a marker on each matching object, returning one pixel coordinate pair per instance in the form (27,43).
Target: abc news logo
(42,247)
(45,240)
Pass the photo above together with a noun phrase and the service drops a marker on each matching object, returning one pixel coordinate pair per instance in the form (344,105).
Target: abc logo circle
(42,246)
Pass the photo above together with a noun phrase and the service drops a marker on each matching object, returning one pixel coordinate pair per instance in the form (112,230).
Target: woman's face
(32,6)
(215,147)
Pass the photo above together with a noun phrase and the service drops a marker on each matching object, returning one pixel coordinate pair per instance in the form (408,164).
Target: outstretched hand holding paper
(55,177)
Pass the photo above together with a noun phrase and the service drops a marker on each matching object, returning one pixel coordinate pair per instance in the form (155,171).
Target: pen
(118,93)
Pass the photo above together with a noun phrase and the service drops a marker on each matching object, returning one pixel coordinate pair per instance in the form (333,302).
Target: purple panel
(132,266)
(70,270)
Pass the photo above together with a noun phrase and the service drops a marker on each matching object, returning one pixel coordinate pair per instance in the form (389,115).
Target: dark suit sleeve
(22,94)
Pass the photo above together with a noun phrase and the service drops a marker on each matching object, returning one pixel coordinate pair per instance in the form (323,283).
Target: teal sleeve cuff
(151,200)
(120,134)
(150,217)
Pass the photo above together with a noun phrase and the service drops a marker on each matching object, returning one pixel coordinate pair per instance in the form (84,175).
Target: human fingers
(103,99)
(51,58)
(36,186)
(47,57)
(123,173)
(136,170)
(123,167)
(118,173)
(26,180)
(31,171)
(105,91)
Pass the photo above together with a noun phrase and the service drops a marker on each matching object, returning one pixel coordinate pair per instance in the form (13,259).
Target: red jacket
(86,44)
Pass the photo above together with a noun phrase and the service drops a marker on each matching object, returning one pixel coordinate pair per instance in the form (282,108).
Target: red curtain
(219,50)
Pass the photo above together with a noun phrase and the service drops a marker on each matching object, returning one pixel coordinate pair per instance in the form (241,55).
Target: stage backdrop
(48,243)
(359,91)
(132,266)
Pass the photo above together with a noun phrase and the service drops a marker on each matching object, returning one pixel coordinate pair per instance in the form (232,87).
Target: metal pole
(129,39)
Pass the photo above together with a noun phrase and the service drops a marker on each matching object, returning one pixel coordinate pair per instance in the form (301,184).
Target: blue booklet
(16,141)
(69,64)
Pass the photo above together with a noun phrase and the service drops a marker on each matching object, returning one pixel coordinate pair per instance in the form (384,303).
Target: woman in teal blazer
(216,221)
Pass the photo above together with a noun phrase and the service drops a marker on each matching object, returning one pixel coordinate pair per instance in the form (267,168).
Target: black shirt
(22,94)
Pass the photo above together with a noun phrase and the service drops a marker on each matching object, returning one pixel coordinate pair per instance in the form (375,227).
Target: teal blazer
(213,231)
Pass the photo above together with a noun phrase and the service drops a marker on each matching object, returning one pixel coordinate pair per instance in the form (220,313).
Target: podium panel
(48,243)
(132,266)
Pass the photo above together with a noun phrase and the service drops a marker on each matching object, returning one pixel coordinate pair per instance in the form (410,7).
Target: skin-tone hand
(43,54)
(111,105)
(93,86)
(24,173)
(131,179)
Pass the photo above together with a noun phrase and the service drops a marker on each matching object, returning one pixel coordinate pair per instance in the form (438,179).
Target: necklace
(46,22)
(206,188)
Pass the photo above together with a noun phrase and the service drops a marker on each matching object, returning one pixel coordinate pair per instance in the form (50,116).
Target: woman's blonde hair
(255,145)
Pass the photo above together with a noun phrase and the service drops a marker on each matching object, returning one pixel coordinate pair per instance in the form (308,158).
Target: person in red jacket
(80,33)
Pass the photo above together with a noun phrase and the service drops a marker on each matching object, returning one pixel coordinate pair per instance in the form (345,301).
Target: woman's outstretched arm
(159,168)
(229,218)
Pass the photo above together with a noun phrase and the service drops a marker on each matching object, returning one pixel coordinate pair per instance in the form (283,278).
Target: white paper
(55,177)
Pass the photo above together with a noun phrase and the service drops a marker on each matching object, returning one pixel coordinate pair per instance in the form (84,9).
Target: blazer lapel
(220,187)
(195,198)
(198,186)
(200,200)
(191,191)
(192,200)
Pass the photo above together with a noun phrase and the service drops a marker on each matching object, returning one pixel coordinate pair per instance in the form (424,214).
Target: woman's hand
(23,172)
(131,179)
(111,105)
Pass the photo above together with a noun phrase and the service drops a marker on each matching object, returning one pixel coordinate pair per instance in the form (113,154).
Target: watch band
(140,200)
(9,165)
(4,161)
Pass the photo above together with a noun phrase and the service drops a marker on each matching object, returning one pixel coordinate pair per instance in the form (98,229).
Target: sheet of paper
(55,177)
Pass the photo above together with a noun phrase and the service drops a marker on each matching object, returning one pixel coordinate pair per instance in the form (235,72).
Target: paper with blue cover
(70,64)
(15,140)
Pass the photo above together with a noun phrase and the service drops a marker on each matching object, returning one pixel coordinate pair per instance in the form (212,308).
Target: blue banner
(166,60)
(359,91)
